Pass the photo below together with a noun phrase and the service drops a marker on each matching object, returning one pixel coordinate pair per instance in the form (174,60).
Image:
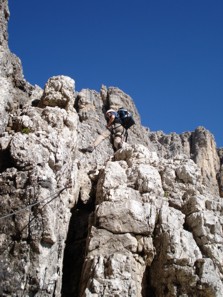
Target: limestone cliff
(145,220)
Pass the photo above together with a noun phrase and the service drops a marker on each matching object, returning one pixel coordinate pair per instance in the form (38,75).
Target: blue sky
(166,54)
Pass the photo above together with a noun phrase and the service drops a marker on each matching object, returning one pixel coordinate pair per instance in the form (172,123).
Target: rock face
(153,217)
(145,220)
(198,145)
(15,90)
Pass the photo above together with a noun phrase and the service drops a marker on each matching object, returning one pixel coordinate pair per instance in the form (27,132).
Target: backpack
(125,117)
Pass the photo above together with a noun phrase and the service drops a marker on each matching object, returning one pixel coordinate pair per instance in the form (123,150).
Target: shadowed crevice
(74,252)
(5,160)
(147,289)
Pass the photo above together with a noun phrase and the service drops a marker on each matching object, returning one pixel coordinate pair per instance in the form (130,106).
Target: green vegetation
(26,130)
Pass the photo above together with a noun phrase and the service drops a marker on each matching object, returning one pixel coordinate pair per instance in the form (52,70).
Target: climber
(114,128)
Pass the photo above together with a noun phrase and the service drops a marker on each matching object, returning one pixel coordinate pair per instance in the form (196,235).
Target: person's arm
(111,120)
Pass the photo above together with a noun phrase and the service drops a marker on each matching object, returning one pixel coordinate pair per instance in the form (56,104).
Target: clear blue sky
(166,54)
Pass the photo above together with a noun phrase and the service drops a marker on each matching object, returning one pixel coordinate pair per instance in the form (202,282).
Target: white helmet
(110,110)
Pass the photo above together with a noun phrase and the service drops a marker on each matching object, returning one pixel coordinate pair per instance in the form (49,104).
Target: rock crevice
(145,220)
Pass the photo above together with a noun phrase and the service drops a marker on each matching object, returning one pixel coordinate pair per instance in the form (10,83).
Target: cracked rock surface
(145,220)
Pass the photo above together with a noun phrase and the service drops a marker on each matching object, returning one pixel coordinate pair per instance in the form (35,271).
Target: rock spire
(145,220)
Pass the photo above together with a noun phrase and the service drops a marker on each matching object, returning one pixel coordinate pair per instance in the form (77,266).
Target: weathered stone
(59,91)
(145,220)
(199,145)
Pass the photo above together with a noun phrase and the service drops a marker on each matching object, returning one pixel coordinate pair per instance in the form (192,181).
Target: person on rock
(114,128)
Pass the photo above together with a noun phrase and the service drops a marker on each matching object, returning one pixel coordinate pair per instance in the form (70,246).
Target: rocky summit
(144,220)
